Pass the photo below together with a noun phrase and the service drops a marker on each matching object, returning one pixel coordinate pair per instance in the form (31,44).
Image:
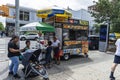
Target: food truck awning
(54,11)
(38,26)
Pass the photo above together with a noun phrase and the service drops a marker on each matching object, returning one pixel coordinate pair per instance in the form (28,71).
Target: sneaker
(17,76)
(112,78)
(10,73)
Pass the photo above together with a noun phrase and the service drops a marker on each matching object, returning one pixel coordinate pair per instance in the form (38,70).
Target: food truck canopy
(37,26)
(54,11)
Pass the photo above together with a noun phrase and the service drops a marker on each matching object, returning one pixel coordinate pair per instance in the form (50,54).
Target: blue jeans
(14,64)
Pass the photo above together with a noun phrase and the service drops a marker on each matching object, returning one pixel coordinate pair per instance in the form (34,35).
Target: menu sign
(50,19)
(85,23)
(73,21)
(67,43)
(60,19)
(76,27)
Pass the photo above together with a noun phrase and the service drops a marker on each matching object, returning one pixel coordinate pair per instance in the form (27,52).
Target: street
(86,33)
(96,67)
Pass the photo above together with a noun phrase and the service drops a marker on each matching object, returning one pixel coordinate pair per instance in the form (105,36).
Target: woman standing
(13,54)
(56,48)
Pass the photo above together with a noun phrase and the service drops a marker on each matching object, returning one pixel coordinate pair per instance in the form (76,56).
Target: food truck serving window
(73,35)
(81,35)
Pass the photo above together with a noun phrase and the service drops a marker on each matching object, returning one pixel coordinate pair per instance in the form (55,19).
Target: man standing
(13,54)
(56,48)
(116,59)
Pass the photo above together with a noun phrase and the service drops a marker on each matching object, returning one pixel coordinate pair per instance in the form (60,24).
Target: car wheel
(66,56)
(36,38)
(23,38)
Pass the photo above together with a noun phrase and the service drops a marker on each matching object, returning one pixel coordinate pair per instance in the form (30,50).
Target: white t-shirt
(118,47)
(55,44)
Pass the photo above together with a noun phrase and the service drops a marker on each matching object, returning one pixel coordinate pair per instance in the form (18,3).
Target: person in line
(116,59)
(48,57)
(26,48)
(27,45)
(13,54)
(56,48)
(2,33)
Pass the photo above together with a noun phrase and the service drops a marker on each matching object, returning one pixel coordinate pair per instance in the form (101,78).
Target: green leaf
(1,27)
(105,9)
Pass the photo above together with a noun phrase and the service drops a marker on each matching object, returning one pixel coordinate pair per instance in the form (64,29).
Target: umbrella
(54,11)
(37,26)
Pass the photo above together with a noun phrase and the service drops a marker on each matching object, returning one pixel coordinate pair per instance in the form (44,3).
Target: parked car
(30,36)
(93,42)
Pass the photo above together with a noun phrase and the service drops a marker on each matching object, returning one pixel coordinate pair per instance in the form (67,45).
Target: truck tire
(66,56)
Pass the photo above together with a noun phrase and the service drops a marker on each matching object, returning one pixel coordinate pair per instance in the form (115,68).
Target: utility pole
(17,17)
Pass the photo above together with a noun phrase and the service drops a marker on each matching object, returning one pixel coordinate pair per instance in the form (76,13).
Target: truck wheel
(23,38)
(66,56)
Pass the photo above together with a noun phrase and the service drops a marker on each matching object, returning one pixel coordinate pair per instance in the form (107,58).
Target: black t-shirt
(13,46)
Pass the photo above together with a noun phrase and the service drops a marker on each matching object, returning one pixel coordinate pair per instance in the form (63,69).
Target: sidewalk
(96,67)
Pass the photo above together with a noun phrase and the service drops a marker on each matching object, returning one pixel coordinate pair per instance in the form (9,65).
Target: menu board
(68,43)
(75,27)
(83,22)
(72,44)
(60,19)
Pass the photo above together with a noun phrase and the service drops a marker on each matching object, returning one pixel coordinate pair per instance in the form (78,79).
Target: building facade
(92,8)
(26,15)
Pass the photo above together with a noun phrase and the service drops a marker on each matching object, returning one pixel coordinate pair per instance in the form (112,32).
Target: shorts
(117,59)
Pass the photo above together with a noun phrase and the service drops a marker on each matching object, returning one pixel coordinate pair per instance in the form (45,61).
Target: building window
(24,16)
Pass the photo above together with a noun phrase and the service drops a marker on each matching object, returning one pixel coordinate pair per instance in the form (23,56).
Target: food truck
(72,33)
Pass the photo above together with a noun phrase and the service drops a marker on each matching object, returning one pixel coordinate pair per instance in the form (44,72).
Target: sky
(41,4)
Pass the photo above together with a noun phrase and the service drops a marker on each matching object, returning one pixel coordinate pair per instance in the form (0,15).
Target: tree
(105,9)
(97,27)
(1,26)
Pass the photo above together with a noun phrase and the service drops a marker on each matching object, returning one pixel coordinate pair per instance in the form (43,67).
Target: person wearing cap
(116,59)
(13,54)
